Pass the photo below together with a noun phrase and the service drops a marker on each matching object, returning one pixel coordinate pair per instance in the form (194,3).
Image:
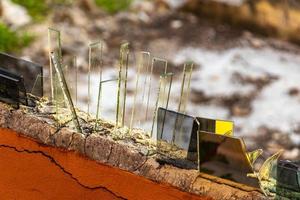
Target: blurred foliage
(113,6)
(37,9)
(11,40)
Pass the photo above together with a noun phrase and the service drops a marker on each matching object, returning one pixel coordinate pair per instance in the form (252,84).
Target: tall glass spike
(142,80)
(163,96)
(95,65)
(122,84)
(63,84)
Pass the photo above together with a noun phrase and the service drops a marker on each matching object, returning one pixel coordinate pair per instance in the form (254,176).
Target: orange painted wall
(29,170)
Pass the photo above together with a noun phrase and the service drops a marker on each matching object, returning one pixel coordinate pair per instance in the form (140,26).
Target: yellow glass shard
(95,66)
(122,84)
(224,127)
(266,168)
(142,77)
(253,155)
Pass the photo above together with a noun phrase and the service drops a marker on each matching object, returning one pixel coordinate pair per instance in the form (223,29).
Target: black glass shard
(32,73)
(224,156)
(12,90)
(288,175)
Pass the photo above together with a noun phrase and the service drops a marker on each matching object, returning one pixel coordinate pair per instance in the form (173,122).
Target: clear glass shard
(106,112)
(163,96)
(95,66)
(122,85)
(75,67)
(54,45)
(158,66)
(142,79)
(185,87)
(64,87)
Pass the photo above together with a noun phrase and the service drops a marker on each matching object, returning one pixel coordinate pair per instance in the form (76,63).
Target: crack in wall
(141,165)
(110,152)
(52,160)
(84,147)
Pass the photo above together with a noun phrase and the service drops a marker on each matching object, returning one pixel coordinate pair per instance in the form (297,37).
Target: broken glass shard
(31,73)
(54,45)
(122,84)
(221,127)
(185,87)
(64,87)
(225,157)
(141,82)
(163,96)
(106,106)
(95,66)
(12,89)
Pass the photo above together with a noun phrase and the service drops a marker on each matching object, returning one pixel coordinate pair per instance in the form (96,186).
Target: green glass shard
(122,84)
(107,86)
(253,155)
(95,64)
(63,84)
(142,79)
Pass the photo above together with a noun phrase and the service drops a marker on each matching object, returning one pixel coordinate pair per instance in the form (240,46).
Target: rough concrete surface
(118,154)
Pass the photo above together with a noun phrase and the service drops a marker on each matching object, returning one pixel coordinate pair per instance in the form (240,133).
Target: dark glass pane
(287,175)
(32,73)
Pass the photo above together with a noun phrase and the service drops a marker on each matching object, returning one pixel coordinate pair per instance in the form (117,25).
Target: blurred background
(246,54)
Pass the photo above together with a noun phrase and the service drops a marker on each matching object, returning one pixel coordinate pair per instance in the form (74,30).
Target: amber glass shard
(225,157)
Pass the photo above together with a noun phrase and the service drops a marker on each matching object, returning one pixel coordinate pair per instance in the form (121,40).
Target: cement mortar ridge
(126,157)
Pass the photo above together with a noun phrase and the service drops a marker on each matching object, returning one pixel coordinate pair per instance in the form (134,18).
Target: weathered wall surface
(74,155)
(32,171)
